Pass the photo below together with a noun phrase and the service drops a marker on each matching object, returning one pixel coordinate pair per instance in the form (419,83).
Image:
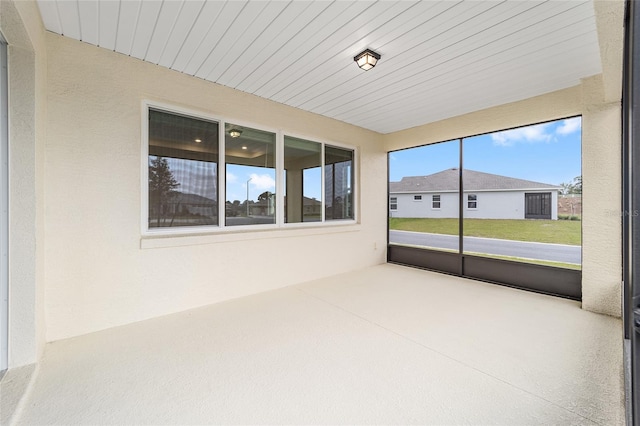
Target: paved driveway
(540,251)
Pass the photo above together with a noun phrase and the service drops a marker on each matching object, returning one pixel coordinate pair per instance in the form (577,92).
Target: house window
(188,176)
(472,201)
(303,180)
(183,170)
(250,158)
(393,203)
(435,202)
(417,198)
(338,183)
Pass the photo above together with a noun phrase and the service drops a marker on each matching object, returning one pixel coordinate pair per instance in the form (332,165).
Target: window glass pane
(429,173)
(183,171)
(303,180)
(393,203)
(250,176)
(524,188)
(338,183)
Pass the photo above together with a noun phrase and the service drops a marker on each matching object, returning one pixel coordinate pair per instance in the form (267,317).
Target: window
(263,178)
(303,180)
(472,201)
(338,183)
(183,169)
(393,203)
(435,202)
(417,198)
(250,162)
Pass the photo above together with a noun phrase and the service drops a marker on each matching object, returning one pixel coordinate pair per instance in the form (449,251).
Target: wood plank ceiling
(439,58)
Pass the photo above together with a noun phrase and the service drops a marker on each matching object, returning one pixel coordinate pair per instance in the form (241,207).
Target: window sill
(226,235)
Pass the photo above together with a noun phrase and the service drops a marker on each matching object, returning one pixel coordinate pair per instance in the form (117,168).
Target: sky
(548,153)
(260,179)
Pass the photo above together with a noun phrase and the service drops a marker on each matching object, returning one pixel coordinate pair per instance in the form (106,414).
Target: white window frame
(472,201)
(221,184)
(433,202)
(393,201)
(417,198)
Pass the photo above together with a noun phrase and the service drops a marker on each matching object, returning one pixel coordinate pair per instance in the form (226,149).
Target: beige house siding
(100,272)
(76,155)
(21,26)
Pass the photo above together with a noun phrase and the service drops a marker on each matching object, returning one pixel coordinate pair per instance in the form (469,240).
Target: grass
(541,231)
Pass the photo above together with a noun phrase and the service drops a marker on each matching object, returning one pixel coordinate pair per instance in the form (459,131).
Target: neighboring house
(486,196)
(184,204)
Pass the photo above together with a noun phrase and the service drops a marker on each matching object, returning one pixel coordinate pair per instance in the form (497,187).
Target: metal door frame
(631,210)
(4,208)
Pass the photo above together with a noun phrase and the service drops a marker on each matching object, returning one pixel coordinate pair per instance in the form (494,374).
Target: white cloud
(262,182)
(569,126)
(231,178)
(530,134)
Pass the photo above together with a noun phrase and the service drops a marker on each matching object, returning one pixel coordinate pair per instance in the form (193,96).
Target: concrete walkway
(523,249)
(385,345)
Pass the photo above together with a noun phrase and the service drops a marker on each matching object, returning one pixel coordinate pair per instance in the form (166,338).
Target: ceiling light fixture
(235,133)
(244,147)
(367,59)
(198,140)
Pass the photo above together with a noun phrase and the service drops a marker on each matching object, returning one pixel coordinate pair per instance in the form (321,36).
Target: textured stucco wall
(99,272)
(21,25)
(601,171)
(601,201)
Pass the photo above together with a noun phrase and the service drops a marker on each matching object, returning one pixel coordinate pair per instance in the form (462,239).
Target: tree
(265,196)
(573,187)
(565,188)
(568,191)
(577,186)
(162,184)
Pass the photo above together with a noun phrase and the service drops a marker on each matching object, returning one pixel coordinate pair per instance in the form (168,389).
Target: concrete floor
(385,345)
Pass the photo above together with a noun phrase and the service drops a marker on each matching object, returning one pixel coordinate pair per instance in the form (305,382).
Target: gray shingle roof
(447,180)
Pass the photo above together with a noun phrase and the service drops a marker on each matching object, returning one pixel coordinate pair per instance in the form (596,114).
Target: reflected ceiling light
(367,59)
(235,133)
(198,140)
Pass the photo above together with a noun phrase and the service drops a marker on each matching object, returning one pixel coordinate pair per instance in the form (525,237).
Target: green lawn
(542,231)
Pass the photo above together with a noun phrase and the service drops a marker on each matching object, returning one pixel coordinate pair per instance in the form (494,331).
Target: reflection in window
(303,180)
(183,168)
(338,177)
(250,176)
